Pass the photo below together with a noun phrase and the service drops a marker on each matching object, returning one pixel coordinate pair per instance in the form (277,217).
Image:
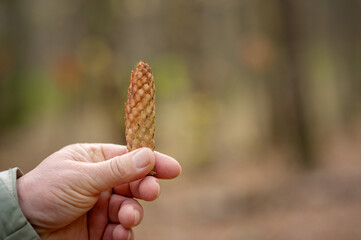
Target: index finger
(166,167)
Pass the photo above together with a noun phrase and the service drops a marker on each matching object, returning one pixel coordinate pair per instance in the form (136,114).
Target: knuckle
(118,168)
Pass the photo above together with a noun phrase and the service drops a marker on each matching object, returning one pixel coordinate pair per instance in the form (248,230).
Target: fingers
(128,212)
(98,216)
(124,213)
(166,167)
(126,168)
(120,169)
(117,232)
(147,188)
(120,233)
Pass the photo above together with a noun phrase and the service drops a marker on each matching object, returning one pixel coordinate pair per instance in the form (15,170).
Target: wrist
(21,192)
(27,199)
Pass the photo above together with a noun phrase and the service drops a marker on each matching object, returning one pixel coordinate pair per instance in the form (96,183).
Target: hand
(86,191)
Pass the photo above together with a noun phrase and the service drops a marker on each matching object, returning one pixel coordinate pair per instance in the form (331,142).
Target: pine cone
(140,109)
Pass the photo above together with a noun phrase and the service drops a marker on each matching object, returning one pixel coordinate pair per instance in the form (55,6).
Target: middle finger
(126,211)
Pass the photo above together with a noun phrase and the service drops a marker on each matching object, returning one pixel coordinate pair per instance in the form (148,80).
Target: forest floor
(263,200)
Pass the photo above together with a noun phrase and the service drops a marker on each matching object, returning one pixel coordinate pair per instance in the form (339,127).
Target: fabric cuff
(13,224)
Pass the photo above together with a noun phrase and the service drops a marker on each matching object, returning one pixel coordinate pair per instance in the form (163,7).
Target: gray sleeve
(13,224)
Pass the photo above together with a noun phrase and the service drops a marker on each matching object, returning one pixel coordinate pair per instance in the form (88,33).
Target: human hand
(86,191)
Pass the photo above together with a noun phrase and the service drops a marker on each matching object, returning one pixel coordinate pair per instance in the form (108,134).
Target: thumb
(121,169)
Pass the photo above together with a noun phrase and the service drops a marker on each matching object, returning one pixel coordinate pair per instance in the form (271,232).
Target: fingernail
(158,187)
(136,217)
(141,158)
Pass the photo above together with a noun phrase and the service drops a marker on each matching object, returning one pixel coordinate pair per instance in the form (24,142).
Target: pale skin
(88,191)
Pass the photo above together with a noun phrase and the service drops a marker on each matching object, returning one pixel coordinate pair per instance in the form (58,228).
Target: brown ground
(259,200)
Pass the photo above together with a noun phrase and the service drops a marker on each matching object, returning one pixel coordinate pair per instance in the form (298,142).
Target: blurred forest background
(259,101)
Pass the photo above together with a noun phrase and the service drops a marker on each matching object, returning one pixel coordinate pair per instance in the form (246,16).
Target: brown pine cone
(140,109)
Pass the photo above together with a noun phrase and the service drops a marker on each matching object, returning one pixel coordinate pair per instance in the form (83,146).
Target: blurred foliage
(231,76)
(172,76)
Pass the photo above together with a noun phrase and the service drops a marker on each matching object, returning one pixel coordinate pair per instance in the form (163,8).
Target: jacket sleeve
(13,224)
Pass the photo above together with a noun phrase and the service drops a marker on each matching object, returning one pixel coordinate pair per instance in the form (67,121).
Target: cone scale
(140,109)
